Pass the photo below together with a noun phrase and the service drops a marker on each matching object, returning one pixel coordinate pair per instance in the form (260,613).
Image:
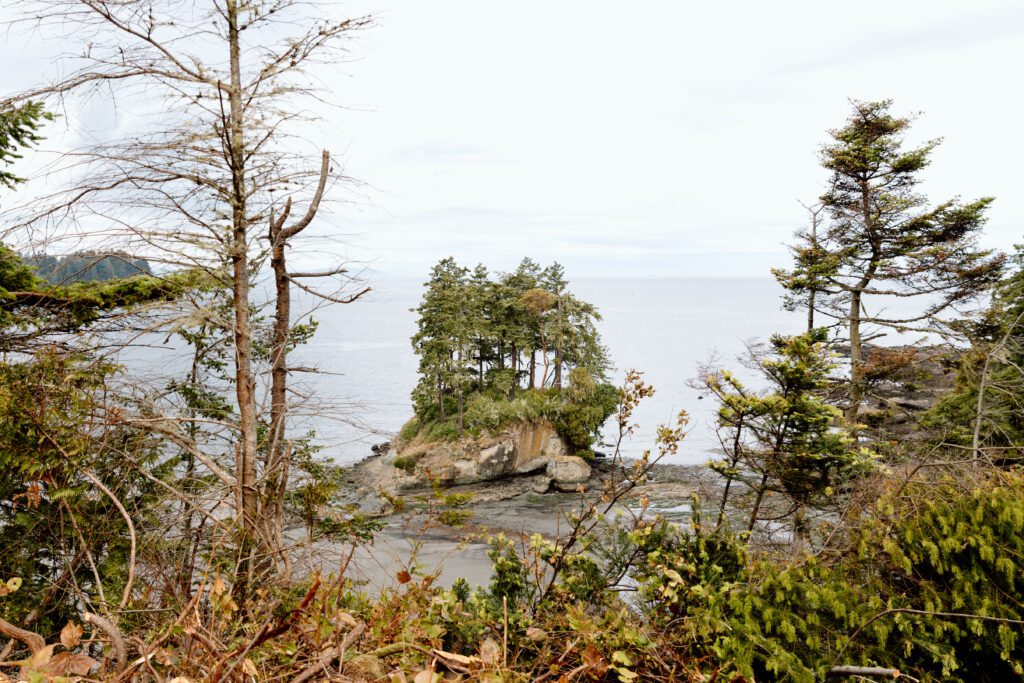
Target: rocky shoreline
(509,506)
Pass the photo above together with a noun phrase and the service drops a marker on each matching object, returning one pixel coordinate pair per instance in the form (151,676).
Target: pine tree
(883,239)
(783,439)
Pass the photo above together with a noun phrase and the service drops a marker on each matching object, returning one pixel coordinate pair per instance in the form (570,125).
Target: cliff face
(520,448)
(525,447)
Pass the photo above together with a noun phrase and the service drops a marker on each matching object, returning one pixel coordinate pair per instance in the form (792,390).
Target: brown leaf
(536,633)
(490,652)
(454,660)
(64,663)
(249,667)
(594,661)
(71,635)
(404,577)
(38,661)
(347,619)
(425,676)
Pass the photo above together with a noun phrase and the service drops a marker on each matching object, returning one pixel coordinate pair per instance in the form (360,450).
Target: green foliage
(410,429)
(19,128)
(58,438)
(785,439)
(577,416)
(407,463)
(995,361)
(588,407)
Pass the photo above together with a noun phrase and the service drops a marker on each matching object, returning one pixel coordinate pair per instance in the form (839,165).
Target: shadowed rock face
(520,448)
(568,472)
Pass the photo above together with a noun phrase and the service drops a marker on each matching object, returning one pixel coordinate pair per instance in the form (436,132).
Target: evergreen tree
(986,408)
(883,239)
(441,335)
(783,439)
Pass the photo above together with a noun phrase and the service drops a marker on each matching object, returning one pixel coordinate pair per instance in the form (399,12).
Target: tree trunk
(757,503)
(856,365)
(514,362)
(459,418)
(245,385)
(459,380)
(278,450)
(810,311)
(533,369)
(440,396)
(558,347)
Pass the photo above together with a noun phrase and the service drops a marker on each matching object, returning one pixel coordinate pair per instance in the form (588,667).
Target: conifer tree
(441,332)
(783,439)
(986,407)
(884,239)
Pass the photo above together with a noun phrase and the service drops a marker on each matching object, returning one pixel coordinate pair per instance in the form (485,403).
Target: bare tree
(222,88)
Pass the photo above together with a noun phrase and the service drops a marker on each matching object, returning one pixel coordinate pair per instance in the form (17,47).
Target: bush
(407,463)
(442,431)
(410,429)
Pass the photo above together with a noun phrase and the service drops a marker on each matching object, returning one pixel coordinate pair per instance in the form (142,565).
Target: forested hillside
(86,267)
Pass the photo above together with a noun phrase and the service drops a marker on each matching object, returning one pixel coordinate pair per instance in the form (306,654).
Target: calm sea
(664,328)
(354,378)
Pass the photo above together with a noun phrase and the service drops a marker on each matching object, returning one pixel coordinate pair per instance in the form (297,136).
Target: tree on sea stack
(475,333)
(884,239)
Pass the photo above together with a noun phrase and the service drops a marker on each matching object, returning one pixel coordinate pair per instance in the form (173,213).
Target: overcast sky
(644,138)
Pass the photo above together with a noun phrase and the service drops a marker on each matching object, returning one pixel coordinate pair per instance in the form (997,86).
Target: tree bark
(757,503)
(558,346)
(245,384)
(856,394)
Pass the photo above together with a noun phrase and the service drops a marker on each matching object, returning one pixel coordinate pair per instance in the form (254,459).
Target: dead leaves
(71,635)
(48,665)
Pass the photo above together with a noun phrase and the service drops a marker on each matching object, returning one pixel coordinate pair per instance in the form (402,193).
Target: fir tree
(883,239)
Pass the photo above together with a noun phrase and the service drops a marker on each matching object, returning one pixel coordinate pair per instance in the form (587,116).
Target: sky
(655,138)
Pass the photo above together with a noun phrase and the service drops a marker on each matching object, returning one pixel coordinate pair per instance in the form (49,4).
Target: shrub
(442,431)
(407,463)
(410,429)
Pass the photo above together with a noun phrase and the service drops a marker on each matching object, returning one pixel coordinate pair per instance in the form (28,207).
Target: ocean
(665,328)
(352,381)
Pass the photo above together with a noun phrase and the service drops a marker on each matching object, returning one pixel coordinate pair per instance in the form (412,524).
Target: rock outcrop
(568,472)
(521,448)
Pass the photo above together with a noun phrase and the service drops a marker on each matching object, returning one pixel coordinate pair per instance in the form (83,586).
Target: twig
(116,640)
(328,657)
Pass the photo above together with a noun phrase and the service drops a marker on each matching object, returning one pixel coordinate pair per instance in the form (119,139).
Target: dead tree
(222,86)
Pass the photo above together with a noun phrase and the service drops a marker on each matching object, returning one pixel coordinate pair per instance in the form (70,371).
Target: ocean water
(352,381)
(665,328)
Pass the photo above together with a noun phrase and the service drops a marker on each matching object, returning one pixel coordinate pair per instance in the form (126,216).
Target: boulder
(541,484)
(536,444)
(496,461)
(520,448)
(568,472)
